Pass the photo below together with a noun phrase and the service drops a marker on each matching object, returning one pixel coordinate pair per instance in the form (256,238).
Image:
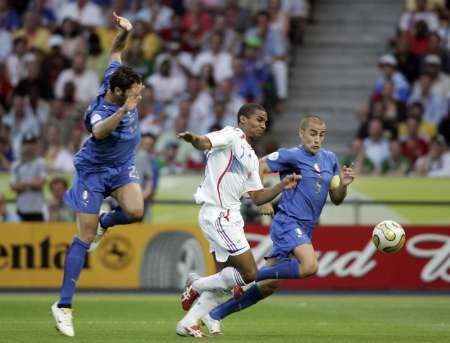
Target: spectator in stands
(440,82)
(201,105)
(6,88)
(35,81)
(233,101)
(58,210)
(169,164)
(5,43)
(46,13)
(165,85)
(408,63)
(145,165)
(55,61)
(245,83)
(86,81)
(34,34)
(58,157)
(71,32)
(274,52)
(409,19)
(9,19)
(196,23)
(219,119)
(219,59)
(20,121)
(396,164)
(84,11)
(375,146)
(15,62)
(361,165)
(156,14)
(413,146)
(435,106)
(147,38)
(97,58)
(426,129)
(5,215)
(419,41)
(28,176)
(432,162)
(388,64)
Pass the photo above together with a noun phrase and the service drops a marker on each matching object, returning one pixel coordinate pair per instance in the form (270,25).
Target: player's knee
(135,214)
(249,275)
(310,269)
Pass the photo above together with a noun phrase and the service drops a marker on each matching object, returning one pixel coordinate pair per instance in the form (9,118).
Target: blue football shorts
(91,187)
(288,233)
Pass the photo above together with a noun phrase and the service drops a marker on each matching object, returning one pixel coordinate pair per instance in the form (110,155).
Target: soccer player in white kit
(232,170)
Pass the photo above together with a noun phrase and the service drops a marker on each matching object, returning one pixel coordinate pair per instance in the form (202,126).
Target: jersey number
(133,173)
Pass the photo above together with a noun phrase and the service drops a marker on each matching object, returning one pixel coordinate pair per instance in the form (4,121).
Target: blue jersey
(119,148)
(306,201)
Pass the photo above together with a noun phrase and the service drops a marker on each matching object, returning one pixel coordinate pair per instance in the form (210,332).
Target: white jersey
(232,169)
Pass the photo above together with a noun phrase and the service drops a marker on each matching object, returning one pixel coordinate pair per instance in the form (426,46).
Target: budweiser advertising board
(349,260)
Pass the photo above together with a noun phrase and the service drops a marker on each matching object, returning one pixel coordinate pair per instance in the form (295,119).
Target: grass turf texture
(152,318)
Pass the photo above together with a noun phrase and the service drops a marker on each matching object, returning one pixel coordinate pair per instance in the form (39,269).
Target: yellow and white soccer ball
(388,236)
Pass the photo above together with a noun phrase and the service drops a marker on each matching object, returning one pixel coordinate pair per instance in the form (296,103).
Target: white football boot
(212,324)
(63,320)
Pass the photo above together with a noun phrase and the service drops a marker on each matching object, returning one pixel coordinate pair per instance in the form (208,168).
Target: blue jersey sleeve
(112,67)
(279,161)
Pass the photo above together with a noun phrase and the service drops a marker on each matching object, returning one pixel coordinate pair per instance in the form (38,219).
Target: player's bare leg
(75,260)
(131,210)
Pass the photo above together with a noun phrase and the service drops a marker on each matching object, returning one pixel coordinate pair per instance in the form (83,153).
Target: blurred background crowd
(405,126)
(200,60)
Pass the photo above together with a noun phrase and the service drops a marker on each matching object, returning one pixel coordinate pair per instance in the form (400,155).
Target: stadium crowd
(200,60)
(405,127)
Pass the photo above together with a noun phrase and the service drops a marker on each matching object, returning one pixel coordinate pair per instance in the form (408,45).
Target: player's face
(255,125)
(313,136)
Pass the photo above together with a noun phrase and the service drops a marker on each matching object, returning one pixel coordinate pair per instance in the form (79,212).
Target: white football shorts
(224,230)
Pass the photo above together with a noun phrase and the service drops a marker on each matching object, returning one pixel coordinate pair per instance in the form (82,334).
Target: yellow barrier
(135,256)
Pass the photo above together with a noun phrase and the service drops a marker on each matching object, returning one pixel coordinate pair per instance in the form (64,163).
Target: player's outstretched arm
(268,194)
(339,192)
(103,128)
(121,38)
(197,141)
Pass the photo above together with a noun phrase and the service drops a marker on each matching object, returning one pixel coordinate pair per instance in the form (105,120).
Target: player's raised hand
(122,22)
(290,181)
(134,96)
(186,136)
(347,175)
(266,210)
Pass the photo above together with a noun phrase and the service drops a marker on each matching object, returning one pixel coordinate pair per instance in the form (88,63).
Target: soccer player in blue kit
(104,166)
(292,255)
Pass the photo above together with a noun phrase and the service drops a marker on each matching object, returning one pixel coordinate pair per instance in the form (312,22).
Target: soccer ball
(388,236)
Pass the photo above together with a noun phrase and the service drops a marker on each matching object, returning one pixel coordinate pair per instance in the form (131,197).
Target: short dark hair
(123,78)
(248,109)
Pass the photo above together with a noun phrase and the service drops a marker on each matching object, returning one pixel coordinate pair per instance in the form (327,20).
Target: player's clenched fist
(290,181)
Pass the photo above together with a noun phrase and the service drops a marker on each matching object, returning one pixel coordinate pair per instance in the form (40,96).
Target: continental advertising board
(161,256)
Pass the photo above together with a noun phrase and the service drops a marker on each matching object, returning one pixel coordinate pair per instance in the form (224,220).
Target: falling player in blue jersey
(104,166)
(292,255)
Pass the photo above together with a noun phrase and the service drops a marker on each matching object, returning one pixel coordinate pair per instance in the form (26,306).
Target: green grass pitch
(290,318)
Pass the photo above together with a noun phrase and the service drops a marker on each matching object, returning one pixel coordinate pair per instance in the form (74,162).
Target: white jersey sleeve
(222,138)
(253,183)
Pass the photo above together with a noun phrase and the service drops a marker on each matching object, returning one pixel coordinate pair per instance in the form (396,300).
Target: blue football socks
(250,297)
(287,268)
(73,265)
(115,217)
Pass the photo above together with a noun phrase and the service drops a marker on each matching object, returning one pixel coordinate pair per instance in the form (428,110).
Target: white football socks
(226,279)
(205,303)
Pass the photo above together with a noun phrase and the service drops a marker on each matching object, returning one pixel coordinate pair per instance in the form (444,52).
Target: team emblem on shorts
(299,232)
(273,156)
(85,197)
